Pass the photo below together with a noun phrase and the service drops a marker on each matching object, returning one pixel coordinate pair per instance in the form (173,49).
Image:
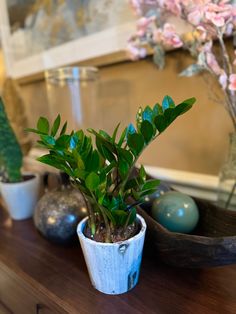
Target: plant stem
(91,216)
(107,225)
(90,213)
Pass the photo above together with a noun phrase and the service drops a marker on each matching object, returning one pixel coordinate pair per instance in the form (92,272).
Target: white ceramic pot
(21,197)
(113,267)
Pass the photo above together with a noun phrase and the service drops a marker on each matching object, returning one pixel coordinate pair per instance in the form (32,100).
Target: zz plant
(103,171)
(11,156)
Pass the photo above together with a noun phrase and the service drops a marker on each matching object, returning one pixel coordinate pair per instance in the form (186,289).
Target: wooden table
(39,277)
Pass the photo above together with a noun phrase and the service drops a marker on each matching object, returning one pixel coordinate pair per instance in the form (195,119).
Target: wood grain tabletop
(60,272)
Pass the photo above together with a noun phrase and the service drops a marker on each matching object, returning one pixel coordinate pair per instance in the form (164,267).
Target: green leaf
(147,114)
(122,137)
(150,184)
(105,135)
(35,131)
(63,130)
(48,139)
(63,141)
(157,109)
(136,143)
(80,163)
(74,140)
(52,161)
(167,103)
(125,154)
(93,161)
(115,133)
(132,216)
(80,173)
(147,130)
(105,153)
(43,125)
(130,130)
(131,184)
(185,106)
(92,181)
(56,125)
(120,216)
(142,174)
(123,168)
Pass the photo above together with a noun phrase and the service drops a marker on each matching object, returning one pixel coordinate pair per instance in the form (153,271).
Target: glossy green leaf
(120,216)
(63,141)
(147,114)
(56,125)
(157,109)
(43,125)
(147,130)
(125,154)
(115,133)
(48,139)
(142,174)
(93,161)
(92,181)
(63,129)
(80,163)
(122,137)
(136,143)
(167,103)
(35,131)
(132,215)
(123,168)
(150,184)
(130,130)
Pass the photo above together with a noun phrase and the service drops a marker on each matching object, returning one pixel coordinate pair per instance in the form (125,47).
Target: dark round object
(58,213)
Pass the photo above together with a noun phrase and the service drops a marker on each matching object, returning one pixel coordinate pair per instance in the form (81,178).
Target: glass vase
(72,92)
(227,178)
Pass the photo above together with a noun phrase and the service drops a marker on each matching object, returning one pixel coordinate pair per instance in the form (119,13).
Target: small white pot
(113,267)
(21,197)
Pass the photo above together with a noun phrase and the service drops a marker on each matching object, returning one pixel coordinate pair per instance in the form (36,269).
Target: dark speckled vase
(57,214)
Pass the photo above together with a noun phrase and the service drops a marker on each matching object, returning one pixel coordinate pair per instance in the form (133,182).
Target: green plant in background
(10,151)
(104,171)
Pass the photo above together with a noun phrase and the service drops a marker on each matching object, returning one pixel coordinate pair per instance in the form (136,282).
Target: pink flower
(135,53)
(232,81)
(173,6)
(195,17)
(218,14)
(223,79)
(212,63)
(202,33)
(168,36)
(142,25)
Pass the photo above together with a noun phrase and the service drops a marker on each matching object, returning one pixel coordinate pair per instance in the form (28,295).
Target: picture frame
(102,47)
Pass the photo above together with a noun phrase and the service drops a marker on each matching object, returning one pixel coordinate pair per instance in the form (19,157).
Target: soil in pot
(117,235)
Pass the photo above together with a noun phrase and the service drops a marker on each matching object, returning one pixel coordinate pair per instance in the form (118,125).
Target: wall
(196,142)
(2,69)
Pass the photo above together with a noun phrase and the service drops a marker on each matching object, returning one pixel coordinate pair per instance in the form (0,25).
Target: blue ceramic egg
(175,211)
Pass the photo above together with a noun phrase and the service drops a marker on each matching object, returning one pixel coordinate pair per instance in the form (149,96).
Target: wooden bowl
(213,242)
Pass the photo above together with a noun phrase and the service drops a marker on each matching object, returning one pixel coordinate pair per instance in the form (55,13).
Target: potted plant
(20,192)
(112,236)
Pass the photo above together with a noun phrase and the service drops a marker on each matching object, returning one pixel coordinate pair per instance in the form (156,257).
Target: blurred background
(38,30)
